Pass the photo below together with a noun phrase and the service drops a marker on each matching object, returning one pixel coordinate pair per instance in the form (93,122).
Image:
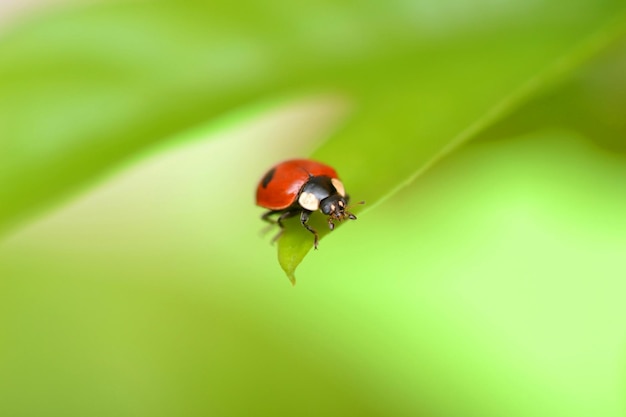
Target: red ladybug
(302,186)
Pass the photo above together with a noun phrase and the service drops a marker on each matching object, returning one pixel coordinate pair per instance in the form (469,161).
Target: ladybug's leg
(284,215)
(304,218)
(279,221)
(266,216)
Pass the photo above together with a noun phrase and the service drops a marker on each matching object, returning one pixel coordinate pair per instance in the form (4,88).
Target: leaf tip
(292,278)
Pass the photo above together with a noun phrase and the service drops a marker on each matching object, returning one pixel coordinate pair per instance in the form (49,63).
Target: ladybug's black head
(328,195)
(335,206)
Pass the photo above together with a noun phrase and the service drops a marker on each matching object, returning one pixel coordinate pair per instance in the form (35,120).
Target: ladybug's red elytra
(302,186)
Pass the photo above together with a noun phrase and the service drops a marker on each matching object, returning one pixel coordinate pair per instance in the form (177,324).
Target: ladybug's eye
(338,186)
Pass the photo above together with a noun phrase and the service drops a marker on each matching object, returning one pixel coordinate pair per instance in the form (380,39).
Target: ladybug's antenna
(307,172)
(348,214)
(352,205)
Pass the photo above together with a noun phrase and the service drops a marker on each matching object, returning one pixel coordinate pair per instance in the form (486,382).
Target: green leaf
(499,271)
(295,242)
(85,90)
(392,141)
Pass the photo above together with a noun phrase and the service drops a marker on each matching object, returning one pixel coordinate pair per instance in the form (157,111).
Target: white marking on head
(308,201)
(338,186)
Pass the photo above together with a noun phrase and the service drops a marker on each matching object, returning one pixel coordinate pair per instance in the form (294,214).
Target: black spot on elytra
(268,177)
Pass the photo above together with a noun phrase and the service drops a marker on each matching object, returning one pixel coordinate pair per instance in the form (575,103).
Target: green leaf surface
(422,124)
(85,90)
(495,279)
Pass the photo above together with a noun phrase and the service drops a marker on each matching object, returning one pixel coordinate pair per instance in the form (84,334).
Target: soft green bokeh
(133,277)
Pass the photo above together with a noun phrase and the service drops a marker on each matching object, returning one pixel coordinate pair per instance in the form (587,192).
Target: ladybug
(302,186)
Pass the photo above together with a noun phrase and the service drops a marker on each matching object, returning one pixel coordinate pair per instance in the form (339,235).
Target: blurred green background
(486,279)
